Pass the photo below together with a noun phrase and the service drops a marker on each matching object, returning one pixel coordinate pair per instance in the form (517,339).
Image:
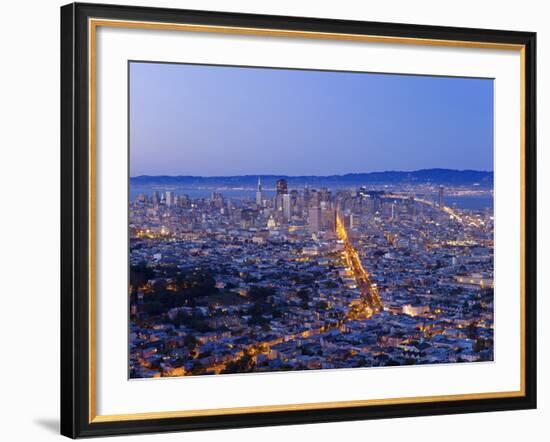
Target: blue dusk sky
(220,121)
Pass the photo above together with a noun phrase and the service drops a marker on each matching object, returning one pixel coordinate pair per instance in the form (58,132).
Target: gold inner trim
(92,28)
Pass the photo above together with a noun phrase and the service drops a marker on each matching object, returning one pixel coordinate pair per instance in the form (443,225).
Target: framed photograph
(274,220)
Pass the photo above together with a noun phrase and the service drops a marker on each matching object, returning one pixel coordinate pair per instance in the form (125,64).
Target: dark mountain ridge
(424,176)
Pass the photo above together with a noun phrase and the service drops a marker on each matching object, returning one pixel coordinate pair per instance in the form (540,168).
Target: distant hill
(435,176)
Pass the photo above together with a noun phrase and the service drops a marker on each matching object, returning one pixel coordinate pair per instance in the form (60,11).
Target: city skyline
(234,121)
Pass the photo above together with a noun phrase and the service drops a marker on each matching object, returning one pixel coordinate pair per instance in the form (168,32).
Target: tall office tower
(344,203)
(441,201)
(183,201)
(347,220)
(295,202)
(169,198)
(248,217)
(367,205)
(282,187)
(410,205)
(217,200)
(155,198)
(286,206)
(306,197)
(326,195)
(259,196)
(314,198)
(314,219)
(376,203)
(328,220)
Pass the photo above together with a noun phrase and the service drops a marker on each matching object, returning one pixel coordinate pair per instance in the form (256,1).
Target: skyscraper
(282,187)
(286,206)
(259,196)
(328,220)
(155,198)
(306,197)
(441,201)
(314,219)
(325,195)
(169,198)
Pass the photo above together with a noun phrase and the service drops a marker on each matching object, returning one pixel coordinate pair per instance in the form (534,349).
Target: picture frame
(80,169)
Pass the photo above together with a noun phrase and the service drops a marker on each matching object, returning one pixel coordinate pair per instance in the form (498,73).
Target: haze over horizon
(320,176)
(213,121)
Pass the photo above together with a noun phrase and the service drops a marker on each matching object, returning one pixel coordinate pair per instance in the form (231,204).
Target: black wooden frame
(75,220)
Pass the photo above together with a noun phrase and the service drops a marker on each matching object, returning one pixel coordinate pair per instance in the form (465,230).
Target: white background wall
(29,218)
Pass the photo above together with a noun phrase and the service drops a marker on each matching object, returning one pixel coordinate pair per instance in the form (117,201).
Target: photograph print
(291,219)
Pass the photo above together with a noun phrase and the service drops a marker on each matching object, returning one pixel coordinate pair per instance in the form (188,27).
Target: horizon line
(318,176)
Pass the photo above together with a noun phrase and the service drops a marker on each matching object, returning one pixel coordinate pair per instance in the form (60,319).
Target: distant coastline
(424,176)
